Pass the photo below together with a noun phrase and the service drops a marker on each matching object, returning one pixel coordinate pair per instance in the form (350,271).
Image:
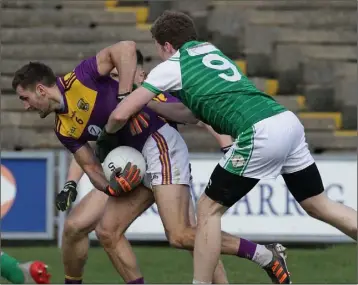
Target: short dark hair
(140,58)
(175,28)
(31,74)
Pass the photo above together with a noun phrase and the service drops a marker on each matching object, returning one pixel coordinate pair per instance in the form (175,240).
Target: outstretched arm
(225,141)
(176,112)
(129,106)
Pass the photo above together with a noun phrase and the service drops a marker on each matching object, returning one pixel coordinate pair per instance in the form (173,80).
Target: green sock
(10,271)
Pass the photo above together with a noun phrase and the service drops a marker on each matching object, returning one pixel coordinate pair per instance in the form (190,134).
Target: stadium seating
(304,55)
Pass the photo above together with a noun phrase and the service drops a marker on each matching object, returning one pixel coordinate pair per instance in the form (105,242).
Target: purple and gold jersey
(89,99)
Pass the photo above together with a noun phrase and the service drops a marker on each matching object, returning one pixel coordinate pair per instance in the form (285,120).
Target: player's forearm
(176,112)
(223,140)
(116,121)
(96,176)
(87,160)
(75,171)
(124,58)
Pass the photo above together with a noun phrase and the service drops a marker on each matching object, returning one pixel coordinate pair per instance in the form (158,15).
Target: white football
(120,156)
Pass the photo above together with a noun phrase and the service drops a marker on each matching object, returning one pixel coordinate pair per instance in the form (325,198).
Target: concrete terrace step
(256,35)
(269,86)
(294,103)
(321,120)
(288,60)
(25,119)
(30,138)
(261,42)
(332,140)
(141,12)
(288,5)
(60,67)
(54,4)
(307,19)
(73,35)
(320,72)
(10,102)
(65,51)
(15,18)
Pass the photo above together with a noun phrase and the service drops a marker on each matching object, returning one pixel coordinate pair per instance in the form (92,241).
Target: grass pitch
(334,264)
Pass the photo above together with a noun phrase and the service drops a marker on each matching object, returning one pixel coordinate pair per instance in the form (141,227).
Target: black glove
(225,149)
(68,195)
(105,143)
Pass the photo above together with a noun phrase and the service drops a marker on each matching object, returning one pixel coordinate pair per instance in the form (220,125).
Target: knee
(179,238)
(73,229)
(107,237)
(207,208)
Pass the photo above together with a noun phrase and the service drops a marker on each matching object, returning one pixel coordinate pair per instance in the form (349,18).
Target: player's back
(214,88)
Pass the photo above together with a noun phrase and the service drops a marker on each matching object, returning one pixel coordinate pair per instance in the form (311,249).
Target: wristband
(70,183)
(225,149)
(120,97)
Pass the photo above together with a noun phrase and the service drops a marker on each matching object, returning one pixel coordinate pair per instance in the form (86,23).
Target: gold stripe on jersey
(74,122)
(69,81)
(160,98)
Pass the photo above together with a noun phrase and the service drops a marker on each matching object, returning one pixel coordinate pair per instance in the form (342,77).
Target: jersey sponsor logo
(94,130)
(82,105)
(237,160)
(8,190)
(72,131)
(154,176)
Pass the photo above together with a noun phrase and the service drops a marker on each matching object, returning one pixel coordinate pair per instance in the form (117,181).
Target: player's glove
(68,195)
(121,182)
(138,122)
(105,143)
(225,149)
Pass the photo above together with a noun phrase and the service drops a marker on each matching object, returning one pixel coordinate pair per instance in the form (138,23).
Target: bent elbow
(128,45)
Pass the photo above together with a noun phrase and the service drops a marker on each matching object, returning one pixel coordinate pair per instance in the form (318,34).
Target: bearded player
(83,101)
(23,273)
(270,140)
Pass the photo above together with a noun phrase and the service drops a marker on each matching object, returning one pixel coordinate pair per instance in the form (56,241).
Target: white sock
(262,255)
(199,282)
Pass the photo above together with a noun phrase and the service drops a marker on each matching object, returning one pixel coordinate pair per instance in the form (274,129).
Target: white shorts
(167,158)
(274,146)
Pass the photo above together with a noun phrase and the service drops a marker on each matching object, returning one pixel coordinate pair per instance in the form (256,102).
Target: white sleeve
(164,77)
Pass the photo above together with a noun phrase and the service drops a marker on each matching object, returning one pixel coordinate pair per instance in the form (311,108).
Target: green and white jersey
(213,88)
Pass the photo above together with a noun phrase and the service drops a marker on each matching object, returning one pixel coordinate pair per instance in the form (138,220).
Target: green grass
(336,264)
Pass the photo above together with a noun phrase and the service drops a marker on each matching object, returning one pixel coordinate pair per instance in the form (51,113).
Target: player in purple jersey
(83,100)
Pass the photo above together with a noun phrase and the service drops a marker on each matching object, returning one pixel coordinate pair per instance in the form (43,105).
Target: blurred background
(302,52)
